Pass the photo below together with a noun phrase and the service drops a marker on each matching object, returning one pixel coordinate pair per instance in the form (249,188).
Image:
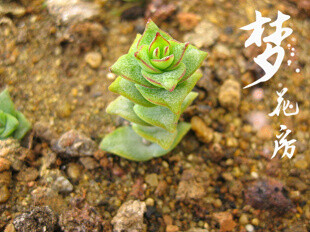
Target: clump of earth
(55,59)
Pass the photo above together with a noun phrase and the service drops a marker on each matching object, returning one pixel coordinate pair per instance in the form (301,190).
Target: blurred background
(55,59)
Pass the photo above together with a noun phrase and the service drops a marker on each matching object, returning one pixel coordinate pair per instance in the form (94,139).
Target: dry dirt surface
(55,58)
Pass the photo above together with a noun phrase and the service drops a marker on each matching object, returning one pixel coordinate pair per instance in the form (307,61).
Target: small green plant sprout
(155,80)
(12,122)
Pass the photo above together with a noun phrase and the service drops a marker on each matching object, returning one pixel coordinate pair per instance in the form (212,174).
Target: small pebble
(4,194)
(111,76)
(221,51)
(74,144)
(129,217)
(168,219)
(9,228)
(5,178)
(204,133)
(63,185)
(254,175)
(295,195)
(166,209)
(258,119)
(28,174)
(161,188)
(243,219)
(74,92)
(216,152)
(255,221)
(152,179)
(198,37)
(172,228)
(249,228)
(258,94)
(165,164)
(89,163)
(230,94)
(12,9)
(190,157)
(228,176)
(231,142)
(63,109)
(4,164)
(149,202)
(192,185)
(72,10)
(217,203)
(188,21)
(301,164)
(229,162)
(74,171)
(93,59)
(236,172)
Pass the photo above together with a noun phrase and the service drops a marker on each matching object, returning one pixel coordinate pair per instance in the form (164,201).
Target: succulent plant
(154,80)
(12,122)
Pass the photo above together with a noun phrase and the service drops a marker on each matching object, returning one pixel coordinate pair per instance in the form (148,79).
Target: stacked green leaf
(12,122)
(155,80)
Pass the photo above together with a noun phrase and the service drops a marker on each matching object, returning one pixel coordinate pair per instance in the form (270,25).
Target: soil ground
(43,64)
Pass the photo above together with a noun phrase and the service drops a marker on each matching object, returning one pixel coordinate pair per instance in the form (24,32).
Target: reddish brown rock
(84,219)
(89,163)
(236,188)
(188,21)
(172,228)
(161,188)
(129,217)
(225,219)
(44,131)
(74,144)
(159,11)
(117,170)
(5,178)
(192,185)
(11,150)
(86,35)
(4,164)
(269,194)
(216,152)
(28,174)
(138,189)
(168,220)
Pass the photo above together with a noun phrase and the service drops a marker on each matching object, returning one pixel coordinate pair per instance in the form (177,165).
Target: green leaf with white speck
(172,100)
(162,117)
(128,67)
(156,135)
(123,107)
(127,144)
(128,89)
(193,59)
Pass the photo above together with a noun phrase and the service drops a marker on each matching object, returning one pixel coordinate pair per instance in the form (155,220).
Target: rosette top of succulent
(156,60)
